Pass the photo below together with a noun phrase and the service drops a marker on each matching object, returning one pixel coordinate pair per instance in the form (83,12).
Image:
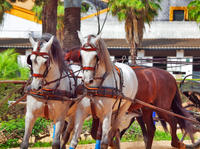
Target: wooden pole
(14,81)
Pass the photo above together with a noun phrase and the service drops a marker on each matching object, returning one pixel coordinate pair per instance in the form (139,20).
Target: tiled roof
(20,43)
(159,44)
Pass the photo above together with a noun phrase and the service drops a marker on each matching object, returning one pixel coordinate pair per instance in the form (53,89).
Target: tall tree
(135,13)
(194,10)
(71,23)
(48,15)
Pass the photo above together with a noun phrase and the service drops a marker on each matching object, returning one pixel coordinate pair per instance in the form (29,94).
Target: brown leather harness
(102,91)
(50,94)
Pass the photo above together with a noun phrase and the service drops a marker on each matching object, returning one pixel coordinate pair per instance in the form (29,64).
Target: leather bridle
(92,48)
(43,54)
(88,50)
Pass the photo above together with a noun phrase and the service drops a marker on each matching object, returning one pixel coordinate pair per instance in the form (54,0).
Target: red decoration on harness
(90,49)
(73,55)
(88,68)
(37,75)
(39,53)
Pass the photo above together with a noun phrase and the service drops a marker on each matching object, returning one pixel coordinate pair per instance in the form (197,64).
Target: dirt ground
(124,145)
(129,145)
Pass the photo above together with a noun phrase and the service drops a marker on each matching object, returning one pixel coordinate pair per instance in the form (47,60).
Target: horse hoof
(55,146)
(179,145)
(104,146)
(24,146)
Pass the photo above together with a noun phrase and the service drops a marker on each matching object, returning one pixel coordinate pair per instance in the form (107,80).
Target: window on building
(178,14)
(160,62)
(196,64)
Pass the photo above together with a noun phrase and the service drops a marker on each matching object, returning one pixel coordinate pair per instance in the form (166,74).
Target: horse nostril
(39,88)
(91,81)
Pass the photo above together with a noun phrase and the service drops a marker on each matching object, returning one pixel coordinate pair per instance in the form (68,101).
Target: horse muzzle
(88,81)
(36,84)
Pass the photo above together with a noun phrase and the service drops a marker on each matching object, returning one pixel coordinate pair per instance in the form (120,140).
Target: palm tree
(194,10)
(71,23)
(49,17)
(135,13)
(47,12)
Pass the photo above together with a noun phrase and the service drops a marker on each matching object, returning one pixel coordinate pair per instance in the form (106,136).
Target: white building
(170,42)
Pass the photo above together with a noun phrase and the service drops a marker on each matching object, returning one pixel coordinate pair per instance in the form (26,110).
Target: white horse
(99,72)
(50,75)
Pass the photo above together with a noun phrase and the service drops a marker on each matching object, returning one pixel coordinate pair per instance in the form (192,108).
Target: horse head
(95,58)
(89,56)
(42,57)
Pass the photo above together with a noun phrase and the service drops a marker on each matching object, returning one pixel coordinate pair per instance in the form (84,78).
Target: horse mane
(56,53)
(103,55)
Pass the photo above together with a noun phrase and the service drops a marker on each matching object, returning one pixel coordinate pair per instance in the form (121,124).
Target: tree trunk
(49,17)
(71,26)
(133,52)
(135,40)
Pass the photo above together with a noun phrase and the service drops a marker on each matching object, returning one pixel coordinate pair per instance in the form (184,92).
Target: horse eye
(97,58)
(46,57)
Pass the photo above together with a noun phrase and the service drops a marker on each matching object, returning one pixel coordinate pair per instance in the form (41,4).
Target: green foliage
(194,10)
(87,125)
(17,111)
(9,68)
(4,6)
(133,133)
(140,8)
(14,130)
(40,125)
(85,7)
(86,141)
(42,144)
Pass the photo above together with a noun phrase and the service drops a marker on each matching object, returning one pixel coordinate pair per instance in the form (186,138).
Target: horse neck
(53,74)
(110,78)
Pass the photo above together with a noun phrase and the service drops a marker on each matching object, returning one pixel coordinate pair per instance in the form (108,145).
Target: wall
(165,5)
(16,27)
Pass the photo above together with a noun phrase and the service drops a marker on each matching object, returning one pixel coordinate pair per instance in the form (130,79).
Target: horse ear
(80,36)
(98,36)
(32,41)
(49,43)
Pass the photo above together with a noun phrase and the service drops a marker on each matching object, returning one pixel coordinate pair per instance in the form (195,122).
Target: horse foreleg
(56,139)
(106,130)
(66,134)
(80,117)
(29,123)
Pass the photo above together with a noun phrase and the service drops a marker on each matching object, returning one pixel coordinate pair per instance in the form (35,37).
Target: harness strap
(93,110)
